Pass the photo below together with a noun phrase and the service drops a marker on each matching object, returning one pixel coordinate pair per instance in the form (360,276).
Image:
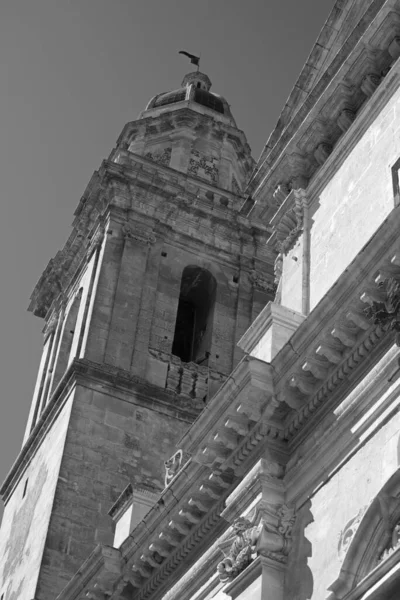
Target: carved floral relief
(162,157)
(203,166)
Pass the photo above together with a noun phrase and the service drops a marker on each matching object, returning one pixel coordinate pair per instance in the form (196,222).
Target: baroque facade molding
(314,131)
(267,533)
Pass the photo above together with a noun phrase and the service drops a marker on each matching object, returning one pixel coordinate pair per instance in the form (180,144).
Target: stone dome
(195,88)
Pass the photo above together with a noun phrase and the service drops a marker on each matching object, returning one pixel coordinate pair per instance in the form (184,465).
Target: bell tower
(142,311)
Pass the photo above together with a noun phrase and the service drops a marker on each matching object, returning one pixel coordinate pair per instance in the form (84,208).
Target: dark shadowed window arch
(194,319)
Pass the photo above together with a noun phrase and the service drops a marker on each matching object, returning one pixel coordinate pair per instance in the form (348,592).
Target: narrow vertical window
(194,319)
(395,182)
(25,488)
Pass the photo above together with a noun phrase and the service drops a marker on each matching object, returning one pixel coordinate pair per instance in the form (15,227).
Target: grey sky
(72,74)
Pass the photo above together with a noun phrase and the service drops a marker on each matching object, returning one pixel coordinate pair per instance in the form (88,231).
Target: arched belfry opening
(194,319)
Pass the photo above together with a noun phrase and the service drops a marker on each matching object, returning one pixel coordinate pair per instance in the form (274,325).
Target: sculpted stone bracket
(262,283)
(346,344)
(267,533)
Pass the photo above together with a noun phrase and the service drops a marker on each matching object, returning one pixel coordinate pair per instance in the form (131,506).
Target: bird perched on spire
(195,60)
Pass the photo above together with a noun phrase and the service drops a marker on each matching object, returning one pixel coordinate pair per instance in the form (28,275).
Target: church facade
(216,413)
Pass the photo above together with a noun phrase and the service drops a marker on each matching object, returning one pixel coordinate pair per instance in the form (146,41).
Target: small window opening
(193,327)
(25,488)
(164,254)
(199,85)
(395,182)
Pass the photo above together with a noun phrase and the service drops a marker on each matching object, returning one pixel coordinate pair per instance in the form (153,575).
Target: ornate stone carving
(162,157)
(347,534)
(140,235)
(369,84)
(268,534)
(261,283)
(172,466)
(322,152)
(394,542)
(203,166)
(387,313)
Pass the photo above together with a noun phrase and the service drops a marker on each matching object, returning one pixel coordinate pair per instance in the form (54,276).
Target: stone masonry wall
(26,518)
(112,440)
(336,503)
(355,201)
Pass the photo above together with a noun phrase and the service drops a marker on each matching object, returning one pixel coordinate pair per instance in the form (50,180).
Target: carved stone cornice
(116,186)
(133,231)
(348,337)
(354,75)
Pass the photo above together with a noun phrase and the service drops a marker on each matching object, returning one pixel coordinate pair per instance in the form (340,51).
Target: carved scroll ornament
(262,283)
(268,533)
(172,466)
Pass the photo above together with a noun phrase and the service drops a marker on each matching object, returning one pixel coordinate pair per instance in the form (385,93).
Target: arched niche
(370,546)
(194,318)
